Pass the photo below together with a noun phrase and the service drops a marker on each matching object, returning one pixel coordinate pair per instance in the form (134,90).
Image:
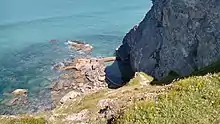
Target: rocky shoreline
(170,41)
(81,75)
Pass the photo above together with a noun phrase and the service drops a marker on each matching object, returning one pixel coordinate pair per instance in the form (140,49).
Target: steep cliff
(175,36)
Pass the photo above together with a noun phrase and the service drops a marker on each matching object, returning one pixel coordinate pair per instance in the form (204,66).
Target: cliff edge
(178,36)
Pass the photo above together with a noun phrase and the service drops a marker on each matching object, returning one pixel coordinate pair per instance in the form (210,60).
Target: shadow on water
(30,68)
(118,74)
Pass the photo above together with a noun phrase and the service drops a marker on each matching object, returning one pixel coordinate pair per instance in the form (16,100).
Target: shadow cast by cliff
(118,74)
(213,68)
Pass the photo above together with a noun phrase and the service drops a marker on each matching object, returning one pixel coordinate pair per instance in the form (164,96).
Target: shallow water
(27,27)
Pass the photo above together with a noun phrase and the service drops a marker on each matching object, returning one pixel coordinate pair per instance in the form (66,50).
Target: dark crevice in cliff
(195,54)
(156,55)
(160,22)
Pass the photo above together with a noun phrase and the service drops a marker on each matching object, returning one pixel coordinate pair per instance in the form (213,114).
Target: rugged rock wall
(176,35)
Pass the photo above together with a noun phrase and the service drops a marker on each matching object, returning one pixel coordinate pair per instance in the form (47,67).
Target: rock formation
(20,92)
(80,46)
(81,75)
(178,36)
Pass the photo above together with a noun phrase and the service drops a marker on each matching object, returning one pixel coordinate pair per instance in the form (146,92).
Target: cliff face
(175,36)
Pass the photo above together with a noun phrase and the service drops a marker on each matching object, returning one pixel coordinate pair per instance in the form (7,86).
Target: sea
(27,54)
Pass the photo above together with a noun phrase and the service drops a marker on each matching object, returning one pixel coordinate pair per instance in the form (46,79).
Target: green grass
(138,79)
(194,100)
(26,120)
(88,101)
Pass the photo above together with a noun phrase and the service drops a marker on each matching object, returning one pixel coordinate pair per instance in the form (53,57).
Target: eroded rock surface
(69,96)
(175,36)
(81,116)
(81,75)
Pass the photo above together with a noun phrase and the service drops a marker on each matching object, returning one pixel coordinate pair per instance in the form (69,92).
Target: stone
(107,108)
(58,86)
(78,66)
(81,116)
(102,78)
(65,76)
(70,95)
(77,74)
(79,80)
(178,36)
(20,92)
(144,79)
(105,103)
(87,49)
(67,83)
(95,64)
(13,101)
(88,76)
(80,46)
(19,100)
(102,73)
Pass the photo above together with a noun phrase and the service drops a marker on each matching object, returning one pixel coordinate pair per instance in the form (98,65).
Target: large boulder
(175,36)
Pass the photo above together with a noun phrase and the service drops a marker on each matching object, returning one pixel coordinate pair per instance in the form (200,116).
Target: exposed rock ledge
(81,75)
(178,36)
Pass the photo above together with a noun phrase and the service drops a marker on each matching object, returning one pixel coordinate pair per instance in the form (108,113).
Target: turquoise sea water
(27,26)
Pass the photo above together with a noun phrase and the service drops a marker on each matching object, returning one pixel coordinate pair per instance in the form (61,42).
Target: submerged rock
(175,36)
(21,100)
(80,46)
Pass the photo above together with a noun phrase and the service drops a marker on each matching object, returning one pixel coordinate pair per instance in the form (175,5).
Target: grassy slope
(192,100)
(123,97)
(195,99)
(23,120)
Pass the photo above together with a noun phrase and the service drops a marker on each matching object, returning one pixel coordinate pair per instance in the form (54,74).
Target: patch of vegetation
(88,101)
(193,100)
(28,120)
(138,78)
(134,81)
(148,77)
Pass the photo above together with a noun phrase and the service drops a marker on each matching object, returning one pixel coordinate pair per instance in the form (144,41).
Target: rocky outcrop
(175,36)
(20,92)
(80,46)
(69,96)
(81,116)
(81,75)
